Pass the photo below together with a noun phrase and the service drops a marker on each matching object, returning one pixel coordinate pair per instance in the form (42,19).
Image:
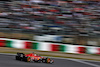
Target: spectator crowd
(51,17)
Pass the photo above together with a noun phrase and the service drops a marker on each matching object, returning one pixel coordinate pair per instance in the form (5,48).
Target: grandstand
(78,21)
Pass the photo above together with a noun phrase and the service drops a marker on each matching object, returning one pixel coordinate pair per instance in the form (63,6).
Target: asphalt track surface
(9,61)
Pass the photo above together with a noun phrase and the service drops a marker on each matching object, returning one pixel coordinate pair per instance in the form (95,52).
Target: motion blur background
(60,21)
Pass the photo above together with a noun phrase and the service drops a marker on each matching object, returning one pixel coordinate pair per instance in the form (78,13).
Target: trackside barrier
(45,46)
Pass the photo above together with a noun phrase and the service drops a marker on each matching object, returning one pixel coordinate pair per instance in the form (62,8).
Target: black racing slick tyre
(43,61)
(51,62)
(17,58)
(25,59)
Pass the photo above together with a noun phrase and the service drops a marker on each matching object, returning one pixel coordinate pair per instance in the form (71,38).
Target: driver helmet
(34,54)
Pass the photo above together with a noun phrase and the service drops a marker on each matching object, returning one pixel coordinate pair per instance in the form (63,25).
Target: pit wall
(45,46)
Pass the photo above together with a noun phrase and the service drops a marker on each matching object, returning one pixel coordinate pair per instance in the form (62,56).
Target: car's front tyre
(51,62)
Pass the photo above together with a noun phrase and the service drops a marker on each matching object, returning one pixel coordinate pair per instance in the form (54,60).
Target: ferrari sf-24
(32,57)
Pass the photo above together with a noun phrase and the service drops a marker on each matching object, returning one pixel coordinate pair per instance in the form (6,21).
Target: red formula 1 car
(33,58)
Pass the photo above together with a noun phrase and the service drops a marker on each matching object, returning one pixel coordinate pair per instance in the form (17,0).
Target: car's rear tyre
(24,59)
(17,58)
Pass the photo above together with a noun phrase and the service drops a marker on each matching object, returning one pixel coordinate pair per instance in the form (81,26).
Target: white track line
(90,60)
(91,64)
(76,60)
